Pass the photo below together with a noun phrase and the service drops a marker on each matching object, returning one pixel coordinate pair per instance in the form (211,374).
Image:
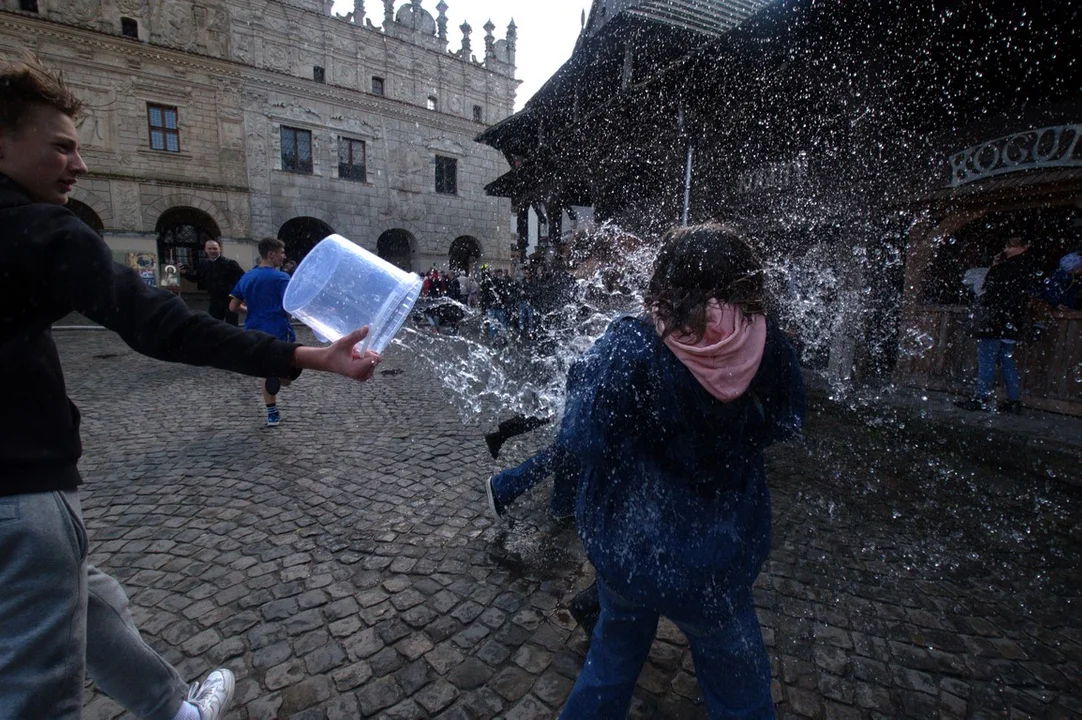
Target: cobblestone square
(343,565)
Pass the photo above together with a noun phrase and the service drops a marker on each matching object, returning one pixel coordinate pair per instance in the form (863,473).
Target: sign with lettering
(774,176)
(1047,147)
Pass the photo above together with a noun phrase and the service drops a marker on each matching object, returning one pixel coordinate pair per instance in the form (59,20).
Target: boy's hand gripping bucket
(340,286)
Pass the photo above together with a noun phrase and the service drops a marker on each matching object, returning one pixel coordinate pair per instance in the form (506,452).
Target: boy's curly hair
(700,263)
(26,83)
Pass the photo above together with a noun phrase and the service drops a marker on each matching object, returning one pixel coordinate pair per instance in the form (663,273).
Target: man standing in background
(217,275)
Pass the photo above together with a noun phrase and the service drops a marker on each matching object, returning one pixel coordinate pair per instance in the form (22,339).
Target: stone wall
(236,72)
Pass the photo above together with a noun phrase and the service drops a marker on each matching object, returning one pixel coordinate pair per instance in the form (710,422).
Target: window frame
(478,114)
(30,6)
(164,129)
(382,86)
(130,22)
(448,186)
(433,103)
(299,166)
(319,74)
(350,175)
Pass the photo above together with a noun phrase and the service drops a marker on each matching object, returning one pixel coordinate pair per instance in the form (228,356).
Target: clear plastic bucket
(340,286)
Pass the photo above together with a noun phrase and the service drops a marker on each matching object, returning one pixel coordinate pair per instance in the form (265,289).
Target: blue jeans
(525,317)
(509,484)
(61,618)
(731,663)
(497,321)
(989,352)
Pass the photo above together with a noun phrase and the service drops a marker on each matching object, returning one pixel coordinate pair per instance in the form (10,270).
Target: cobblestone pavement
(343,566)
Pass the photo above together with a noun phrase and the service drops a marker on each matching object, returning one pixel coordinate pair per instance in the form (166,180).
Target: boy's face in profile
(42,155)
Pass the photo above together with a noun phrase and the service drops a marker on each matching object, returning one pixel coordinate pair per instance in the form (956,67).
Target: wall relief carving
(409,171)
(127,206)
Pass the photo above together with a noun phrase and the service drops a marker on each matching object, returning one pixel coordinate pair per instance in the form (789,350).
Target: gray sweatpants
(60,617)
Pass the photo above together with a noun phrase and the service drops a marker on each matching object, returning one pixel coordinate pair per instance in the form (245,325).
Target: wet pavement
(343,565)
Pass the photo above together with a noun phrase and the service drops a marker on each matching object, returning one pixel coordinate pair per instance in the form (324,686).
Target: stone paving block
(412,677)
(469,674)
(443,658)
(378,694)
(324,659)
(310,641)
(350,676)
(529,708)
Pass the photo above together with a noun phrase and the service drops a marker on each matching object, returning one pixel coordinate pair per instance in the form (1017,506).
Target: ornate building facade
(240,119)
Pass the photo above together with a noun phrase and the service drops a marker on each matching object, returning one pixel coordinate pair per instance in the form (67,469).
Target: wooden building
(855,142)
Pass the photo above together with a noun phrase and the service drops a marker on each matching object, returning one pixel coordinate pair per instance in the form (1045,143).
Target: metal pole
(687,186)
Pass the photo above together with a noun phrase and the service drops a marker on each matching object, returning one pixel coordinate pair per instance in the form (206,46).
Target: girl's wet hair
(700,263)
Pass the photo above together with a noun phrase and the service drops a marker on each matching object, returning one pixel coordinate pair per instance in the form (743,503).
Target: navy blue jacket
(672,503)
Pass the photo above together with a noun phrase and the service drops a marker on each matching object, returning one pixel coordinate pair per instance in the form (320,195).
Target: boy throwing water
(259,293)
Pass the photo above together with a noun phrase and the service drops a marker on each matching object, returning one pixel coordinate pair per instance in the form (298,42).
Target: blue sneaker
(273,418)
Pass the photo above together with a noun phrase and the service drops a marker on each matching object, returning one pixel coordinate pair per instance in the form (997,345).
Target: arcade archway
(301,235)
(396,247)
(465,253)
(182,231)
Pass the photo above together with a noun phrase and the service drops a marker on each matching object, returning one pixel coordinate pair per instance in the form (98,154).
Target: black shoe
(494,440)
(973,404)
(273,385)
(586,609)
(1010,406)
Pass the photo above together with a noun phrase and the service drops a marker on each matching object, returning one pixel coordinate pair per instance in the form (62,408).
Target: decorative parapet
(1047,147)
(464,53)
(441,21)
(774,176)
(490,39)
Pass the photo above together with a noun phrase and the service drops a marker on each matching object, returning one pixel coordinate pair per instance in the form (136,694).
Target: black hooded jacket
(51,264)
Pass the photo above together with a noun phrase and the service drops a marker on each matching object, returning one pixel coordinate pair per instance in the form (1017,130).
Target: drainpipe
(687,185)
(687,166)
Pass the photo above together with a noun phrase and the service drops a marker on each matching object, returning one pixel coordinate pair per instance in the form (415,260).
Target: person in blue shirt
(665,421)
(259,294)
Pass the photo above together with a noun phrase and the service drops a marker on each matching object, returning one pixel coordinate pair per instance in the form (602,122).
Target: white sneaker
(496,512)
(213,695)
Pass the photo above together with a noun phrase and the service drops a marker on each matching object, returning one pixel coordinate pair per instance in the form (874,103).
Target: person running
(259,294)
(666,419)
(60,617)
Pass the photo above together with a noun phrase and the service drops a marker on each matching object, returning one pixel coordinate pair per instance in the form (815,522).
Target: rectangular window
(319,74)
(28,5)
(433,102)
(296,150)
(129,27)
(351,159)
(164,130)
(478,113)
(446,175)
(377,86)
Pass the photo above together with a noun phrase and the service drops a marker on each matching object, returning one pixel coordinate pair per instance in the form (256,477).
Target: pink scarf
(725,359)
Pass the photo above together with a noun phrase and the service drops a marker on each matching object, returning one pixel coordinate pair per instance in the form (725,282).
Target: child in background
(259,293)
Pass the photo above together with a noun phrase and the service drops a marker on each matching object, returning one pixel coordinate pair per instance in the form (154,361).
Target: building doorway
(182,231)
(301,235)
(465,254)
(396,247)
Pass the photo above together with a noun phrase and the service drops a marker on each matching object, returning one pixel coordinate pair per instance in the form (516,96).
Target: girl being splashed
(665,423)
